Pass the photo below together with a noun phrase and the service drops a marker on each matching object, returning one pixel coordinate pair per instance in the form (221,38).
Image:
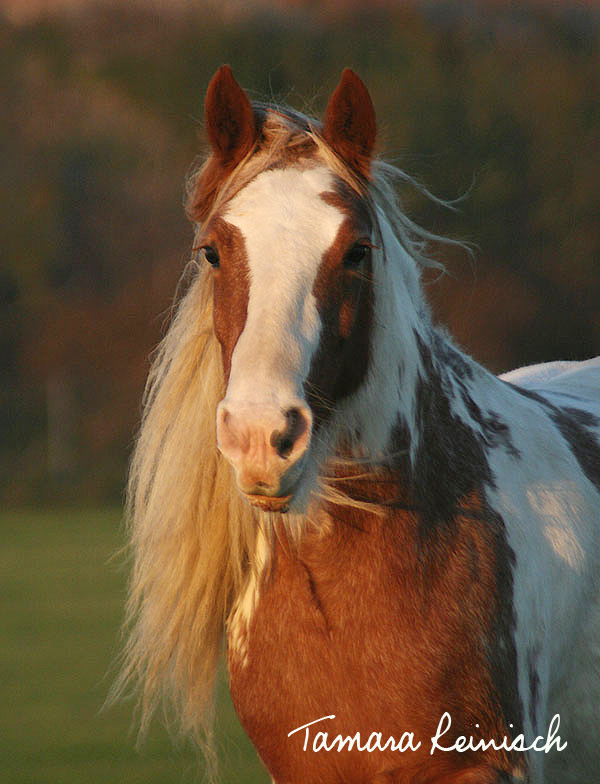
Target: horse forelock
(285,138)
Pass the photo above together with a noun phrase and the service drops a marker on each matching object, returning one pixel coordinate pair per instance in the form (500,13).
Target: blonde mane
(192,536)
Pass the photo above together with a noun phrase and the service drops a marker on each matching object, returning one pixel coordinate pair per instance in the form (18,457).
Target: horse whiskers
(317,398)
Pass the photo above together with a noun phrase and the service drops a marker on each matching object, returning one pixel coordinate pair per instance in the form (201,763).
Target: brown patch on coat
(231,285)
(368,622)
(344,300)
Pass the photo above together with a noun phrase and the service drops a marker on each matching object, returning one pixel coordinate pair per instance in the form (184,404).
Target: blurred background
(498,102)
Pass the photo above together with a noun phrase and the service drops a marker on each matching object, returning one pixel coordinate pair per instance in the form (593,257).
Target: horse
(398,548)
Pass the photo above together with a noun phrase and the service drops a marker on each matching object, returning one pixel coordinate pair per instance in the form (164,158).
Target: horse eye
(211,255)
(356,255)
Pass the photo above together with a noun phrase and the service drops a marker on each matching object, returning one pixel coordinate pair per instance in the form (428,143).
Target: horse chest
(336,630)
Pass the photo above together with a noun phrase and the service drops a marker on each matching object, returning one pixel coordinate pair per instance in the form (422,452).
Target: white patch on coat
(551,512)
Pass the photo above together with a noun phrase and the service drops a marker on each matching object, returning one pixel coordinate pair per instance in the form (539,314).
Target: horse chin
(291,492)
(270,503)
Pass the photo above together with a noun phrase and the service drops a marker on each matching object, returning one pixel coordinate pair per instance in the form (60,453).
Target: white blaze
(287,228)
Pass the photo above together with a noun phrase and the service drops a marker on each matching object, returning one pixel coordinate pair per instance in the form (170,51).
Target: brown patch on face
(351,204)
(345,304)
(231,285)
(386,631)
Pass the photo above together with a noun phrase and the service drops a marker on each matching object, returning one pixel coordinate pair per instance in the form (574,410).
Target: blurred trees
(101,123)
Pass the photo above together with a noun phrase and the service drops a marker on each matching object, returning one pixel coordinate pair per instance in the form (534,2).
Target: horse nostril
(282,444)
(283,441)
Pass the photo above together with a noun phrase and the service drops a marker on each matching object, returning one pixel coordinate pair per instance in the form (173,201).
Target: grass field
(61,603)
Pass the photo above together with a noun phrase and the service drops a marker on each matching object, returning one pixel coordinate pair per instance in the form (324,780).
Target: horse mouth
(270,503)
(276,496)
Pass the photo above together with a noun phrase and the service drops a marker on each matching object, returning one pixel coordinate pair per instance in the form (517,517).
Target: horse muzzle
(267,446)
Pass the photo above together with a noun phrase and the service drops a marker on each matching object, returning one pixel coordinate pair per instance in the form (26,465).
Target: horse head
(290,247)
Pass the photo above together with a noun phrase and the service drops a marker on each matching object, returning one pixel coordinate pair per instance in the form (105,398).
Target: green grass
(61,604)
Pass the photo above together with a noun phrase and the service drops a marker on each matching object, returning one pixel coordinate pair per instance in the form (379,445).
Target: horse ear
(349,125)
(230,122)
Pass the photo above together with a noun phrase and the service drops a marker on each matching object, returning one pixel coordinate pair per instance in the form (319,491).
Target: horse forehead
(282,215)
